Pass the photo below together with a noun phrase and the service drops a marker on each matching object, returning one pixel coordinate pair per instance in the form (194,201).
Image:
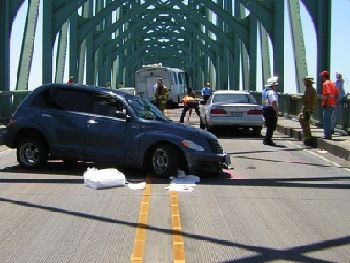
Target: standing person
(329,98)
(206,91)
(192,95)
(71,80)
(339,109)
(309,100)
(161,95)
(270,109)
(158,82)
(190,103)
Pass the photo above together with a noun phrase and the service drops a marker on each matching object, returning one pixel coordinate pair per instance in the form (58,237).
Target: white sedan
(231,108)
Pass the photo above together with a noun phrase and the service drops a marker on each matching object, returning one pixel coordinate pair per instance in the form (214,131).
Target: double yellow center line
(140,233)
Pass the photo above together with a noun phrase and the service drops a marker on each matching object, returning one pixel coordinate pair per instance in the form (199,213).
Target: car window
(145,109)
(71,100)
(42,100)
(252,99)
(107,105)
(63,99)
(234,98)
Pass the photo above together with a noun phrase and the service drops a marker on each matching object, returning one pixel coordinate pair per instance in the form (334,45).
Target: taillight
(254,112)
(217,111)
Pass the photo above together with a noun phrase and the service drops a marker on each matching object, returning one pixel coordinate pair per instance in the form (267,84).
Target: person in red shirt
(71,80)
(329,99)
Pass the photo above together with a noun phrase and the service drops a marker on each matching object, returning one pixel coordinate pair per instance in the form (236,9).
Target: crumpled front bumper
(207,162)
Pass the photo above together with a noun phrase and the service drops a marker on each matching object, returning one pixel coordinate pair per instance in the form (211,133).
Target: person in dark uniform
(270,109)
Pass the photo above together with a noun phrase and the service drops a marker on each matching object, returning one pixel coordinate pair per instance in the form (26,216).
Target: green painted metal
(271,16)
(107,40)
(240,56)
(253,53)
(265,54)
(61,53)
(25,60)
(47,41)
(298,44)
(5,30)
(320,12)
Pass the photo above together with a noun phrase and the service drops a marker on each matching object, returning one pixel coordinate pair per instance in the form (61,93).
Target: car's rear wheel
(165,161)
(32,153)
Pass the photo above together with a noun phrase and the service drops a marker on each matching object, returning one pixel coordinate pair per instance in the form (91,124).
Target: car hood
(179,129)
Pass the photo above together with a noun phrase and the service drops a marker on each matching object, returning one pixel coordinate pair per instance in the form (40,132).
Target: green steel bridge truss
(213,41)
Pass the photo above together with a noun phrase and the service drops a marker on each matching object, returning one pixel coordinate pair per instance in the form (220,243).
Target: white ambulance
(174,79)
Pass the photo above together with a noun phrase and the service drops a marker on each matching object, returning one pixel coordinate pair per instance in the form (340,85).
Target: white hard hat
(272,81)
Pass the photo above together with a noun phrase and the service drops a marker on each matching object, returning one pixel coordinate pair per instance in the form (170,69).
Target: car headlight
(192,145)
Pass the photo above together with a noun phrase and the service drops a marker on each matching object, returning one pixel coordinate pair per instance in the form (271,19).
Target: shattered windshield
(145,109)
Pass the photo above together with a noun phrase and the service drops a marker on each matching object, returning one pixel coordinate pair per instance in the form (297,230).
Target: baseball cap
(324,74)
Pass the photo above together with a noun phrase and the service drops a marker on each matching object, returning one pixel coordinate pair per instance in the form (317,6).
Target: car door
(108,131)
(63,119)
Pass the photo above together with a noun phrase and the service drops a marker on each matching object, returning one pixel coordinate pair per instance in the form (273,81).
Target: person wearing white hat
(339,109)
(270,109)
(206,91)
(309,100)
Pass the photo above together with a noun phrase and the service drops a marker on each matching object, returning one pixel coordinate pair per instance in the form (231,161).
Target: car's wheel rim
(160,161)
(29,154)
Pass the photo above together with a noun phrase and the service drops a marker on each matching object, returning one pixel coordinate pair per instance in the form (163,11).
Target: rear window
(64,99)
(234,98)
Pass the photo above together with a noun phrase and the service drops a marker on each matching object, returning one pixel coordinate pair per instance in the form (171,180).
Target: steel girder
(56,12)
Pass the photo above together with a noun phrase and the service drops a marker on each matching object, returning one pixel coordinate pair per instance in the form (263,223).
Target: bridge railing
(9,102)
(289,106)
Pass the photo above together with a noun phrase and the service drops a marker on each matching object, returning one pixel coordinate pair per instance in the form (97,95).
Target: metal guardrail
(9,102)
(289,106)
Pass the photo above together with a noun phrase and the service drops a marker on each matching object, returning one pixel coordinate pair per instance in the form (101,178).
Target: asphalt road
(281,204)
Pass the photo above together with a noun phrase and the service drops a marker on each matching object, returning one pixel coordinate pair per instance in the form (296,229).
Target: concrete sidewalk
(339,145)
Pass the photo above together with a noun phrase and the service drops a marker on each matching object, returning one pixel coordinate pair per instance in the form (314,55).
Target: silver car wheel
(29,154)
(160,161)
(32,152)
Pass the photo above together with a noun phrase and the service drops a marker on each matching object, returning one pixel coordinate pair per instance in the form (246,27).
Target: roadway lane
(285,203)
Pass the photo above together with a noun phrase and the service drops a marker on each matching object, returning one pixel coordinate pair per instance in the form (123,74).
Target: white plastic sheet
(103,178)
(183,182)
(138,186)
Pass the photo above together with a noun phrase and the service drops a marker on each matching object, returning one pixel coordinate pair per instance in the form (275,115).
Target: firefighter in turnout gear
(161,95)
(309,100)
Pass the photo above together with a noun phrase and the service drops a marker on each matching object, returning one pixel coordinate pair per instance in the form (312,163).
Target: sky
(340,54)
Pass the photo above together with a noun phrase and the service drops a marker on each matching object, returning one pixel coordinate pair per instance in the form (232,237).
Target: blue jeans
(327,121)
(335,115)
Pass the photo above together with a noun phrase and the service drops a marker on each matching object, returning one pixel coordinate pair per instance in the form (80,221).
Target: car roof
(80,87)
(231,92)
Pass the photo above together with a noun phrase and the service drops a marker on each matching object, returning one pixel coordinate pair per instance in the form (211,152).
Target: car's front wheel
(165,161)
(31,153)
